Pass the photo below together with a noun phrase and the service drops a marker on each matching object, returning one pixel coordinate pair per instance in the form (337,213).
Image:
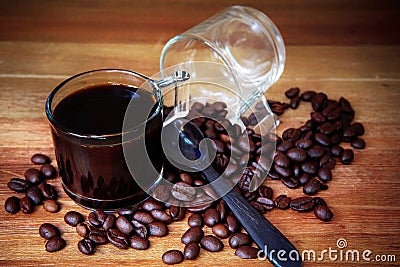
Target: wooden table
(343,48)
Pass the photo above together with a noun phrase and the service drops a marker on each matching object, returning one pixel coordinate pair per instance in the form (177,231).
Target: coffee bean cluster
(52,234)
(34,187)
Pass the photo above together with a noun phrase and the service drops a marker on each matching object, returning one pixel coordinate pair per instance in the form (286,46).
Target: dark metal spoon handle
(277,247)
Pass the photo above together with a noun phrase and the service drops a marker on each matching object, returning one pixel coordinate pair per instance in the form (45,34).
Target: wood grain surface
(342,48)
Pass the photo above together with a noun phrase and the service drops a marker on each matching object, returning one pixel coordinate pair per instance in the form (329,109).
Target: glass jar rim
(70,132)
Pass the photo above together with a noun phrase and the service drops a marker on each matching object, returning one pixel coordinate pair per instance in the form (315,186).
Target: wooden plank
(302,23)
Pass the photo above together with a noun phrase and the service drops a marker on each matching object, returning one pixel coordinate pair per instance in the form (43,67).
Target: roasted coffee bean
(118,239)
(128,211)
(51,206)
(247,252)
(319,101)
(183,191)
(35,195)
(323,213)
(327,128)
(303,143)
(152,204)
(296,170)
(48,230)
(312,186)
(33,176)
(322,139)
(97,218)
(274,175)
(18,185)
(200,204)
(48,191)
(211,217)
(358,143)
(48,171)
(124,225)
(302,204)
(173,256)
(291,182)
(143,217)
(308,96)
(303,178)
(317,117)
(82,229)
(109,222)
(239,239)
(99,236)
(309,167)
(284,146)
(327,162)
(265,191)
(282,160)
(285,172)
(266,202)
(319,201)
(40,159)
(325,174)
(86,246)
(291,134)
(12,205)
(292,92)
(233,224)
(191,251)
(26,205)
(161,193)
(277,109)
(211,243)
(221,231)
(349,134)
(139,243)
(158,229)
(316,152)
(294,102)
(297,154)
(161,215)
(337,151)
(347,156)
(55,244)
(195,220)
(282,202)
(193,234)
(140,228)
(73,218)
(359,128)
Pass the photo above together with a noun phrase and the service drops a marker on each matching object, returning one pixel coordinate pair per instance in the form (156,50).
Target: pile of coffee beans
(304,157)
(34,187)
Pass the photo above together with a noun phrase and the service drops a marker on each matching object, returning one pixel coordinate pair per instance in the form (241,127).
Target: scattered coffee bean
(177,213)
(191,251)
(308,96)
(247,252)
(312,186)
(161,216)
(292,92)
(82,230)
(211,217)
(195,220)
(73,218)
(109,222)
(233,224)
(193,234)
(282,202)
(51,206)
(139,243)
(347,156)
(152,204)
(33,176)
(221,231)
(124,225)
(183,191)
(40,159)
(12,205)
(118,239)
(239,239)
(99,236)
(86,246)
(158,229)
(325,174)
(48,171)
(358,143)
(48,230)
(55,244)
(323,213)
(48,191)
(18,185)
(211,243)
(35,195)
(26,205)
(302,204)
(97,218)
(172,257)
